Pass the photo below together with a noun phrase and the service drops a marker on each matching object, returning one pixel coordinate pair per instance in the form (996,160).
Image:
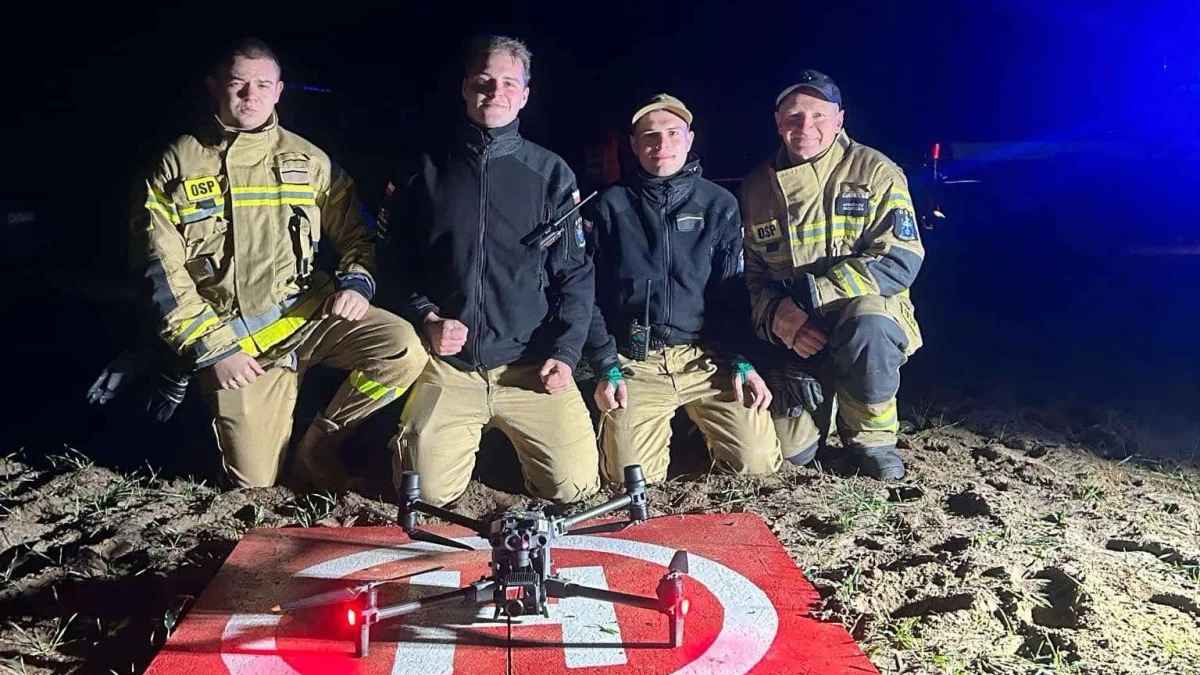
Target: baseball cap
(818,82)
(663,102)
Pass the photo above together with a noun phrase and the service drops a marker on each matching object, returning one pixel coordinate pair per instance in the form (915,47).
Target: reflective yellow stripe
(238,203)
(859,279)
(247,345)
(155,206)
(194,328)
(851,281)
(372,389)
(898,199)
(811,233)
(157,201)
(265,338)
(844,226)
(254,189)
(272,195)
(189,210)
(887,420)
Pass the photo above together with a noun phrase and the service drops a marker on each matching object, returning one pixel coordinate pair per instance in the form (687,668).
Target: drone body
(521,581)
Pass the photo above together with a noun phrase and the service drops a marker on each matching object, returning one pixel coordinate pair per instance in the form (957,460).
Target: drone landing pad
(748,608)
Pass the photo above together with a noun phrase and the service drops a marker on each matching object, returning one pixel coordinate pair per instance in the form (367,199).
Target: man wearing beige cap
(671,314)
(831,251)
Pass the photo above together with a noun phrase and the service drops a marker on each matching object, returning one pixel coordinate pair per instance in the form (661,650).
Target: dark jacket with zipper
(452,246)
(684,234)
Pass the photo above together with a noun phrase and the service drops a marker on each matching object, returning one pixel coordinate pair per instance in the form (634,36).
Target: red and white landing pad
(748,609)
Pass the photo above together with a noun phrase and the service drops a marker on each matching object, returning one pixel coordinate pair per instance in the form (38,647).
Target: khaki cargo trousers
(449,409)
(741,440)
(253,424)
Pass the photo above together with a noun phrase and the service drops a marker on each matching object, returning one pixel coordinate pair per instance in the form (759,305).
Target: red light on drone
(351,617)
(937,151)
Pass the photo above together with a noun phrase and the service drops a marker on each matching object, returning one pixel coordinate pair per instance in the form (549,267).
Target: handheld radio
(639,333)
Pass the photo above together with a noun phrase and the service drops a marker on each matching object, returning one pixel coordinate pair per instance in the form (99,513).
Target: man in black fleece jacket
(505,321)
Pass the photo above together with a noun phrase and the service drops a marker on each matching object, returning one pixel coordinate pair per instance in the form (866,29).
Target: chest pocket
(851,213)
(202,223)
(297,201)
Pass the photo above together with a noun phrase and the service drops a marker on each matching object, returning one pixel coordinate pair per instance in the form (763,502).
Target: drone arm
(449,516)
(607,507)
(464,593)
(556,588)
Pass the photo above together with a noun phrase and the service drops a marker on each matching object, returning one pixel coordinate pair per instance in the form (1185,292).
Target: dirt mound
(1008,549)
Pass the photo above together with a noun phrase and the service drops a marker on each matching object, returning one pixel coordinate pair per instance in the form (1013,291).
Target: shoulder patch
(904,225)
(580,240)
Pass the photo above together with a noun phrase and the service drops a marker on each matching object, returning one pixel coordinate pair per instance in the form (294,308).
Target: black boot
(883,462)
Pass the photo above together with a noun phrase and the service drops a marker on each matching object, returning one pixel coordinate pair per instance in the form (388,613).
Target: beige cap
(664,102)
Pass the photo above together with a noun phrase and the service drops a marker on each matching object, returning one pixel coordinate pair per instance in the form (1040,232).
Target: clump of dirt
(1009,548)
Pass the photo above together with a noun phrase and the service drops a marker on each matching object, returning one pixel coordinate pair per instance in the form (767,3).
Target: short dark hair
(483,46)
(248,47)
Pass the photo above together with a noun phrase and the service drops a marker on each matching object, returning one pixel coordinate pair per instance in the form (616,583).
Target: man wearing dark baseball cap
(831,250)
(813,81)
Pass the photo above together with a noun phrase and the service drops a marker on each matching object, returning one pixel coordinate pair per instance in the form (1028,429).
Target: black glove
(794,390)
(168,393)
(117,375)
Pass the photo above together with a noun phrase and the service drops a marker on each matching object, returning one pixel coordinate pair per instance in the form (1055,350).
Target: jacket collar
(822,163)
(498,141)
(670,190)
(246,147)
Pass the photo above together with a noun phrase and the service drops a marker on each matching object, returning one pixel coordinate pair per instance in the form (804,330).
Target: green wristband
(741,368)
(614,375)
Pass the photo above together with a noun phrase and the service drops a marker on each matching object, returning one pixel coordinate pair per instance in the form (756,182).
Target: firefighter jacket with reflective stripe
(684,235)
(845,217)
(226,235)
(454,231)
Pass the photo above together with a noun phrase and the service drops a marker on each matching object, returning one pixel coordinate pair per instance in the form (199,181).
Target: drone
(521,580)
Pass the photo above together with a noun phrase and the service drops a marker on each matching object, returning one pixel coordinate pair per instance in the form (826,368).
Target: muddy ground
(1023,541)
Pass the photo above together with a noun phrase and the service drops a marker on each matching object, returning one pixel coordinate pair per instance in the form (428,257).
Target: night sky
(95,92)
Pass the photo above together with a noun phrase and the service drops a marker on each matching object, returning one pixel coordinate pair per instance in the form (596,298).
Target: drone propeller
(429,537)
(343,594)
(679,562)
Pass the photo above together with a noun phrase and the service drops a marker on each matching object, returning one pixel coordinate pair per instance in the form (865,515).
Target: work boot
(317,466)
(882,462)
(805,456)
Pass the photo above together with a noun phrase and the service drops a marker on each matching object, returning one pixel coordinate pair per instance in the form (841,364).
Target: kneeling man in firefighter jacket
(831,250)
(225,238)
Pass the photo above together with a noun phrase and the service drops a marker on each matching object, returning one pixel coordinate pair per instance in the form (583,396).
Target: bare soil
(1038,541)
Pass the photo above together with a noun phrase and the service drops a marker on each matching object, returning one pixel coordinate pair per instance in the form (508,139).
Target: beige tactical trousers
(253,424)
(448,410)
(740,439)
